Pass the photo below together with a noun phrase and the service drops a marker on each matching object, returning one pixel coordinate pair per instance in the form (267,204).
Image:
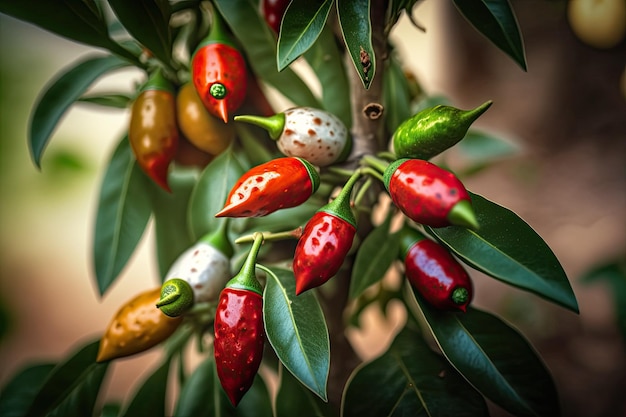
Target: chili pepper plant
(295,206)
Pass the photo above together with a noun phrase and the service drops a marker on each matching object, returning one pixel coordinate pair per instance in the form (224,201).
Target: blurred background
(567,115)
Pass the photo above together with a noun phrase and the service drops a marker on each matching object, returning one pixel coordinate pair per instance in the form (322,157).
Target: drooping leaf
(356,27)
(496,20)
(296,329)
(123,213)
(72,387)
(373,258)
(508,249)
(117,101)
(19,392)
(111,410)
(170,216)
(396,98)
(210,192)
(294,399)
(328,65)
(480,147)
(409,379)
(395,10)
(149,400)
(259,45)
(148,22)
(60,94)
(302,24)
(496,359)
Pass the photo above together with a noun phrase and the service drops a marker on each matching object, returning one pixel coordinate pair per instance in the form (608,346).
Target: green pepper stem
(269,236)
(274,125)
(387,155)
(219,238)
(362,192)
(340,206)
(246,278)
(376,163)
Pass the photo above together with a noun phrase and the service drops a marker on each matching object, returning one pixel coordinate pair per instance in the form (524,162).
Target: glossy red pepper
(325,242)
(239,331)
(428,194)
(274,185)
(153,132)
(218,72)
(273,12)
(434,273)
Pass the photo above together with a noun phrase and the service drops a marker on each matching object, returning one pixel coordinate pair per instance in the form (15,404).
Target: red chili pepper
(153,132)
(239,331)
(433,272)
(274,185)
(273,12)
(218,71)
(325,241)
(428,194)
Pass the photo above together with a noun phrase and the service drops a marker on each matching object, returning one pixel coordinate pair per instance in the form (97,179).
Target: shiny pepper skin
(239,340)
(428,194)
(274,185)
(433,130)
(273,12)
(434,273)
(205,131)
(137,326)
(153,132)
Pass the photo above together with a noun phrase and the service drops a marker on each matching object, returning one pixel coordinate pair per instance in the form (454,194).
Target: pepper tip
(462,214)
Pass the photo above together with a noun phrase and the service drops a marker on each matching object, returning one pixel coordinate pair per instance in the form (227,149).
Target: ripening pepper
(218,72)
(137,326)
(433,272)
(274,185)
(188,155)
(325,241)
(239,330)
(428,194)
(198,274)
(205,131)
(153,132)
(273,12)
(433,130)
(312,134)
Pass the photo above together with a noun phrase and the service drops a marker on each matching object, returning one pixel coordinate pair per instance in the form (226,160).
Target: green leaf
(410,380)
(396,98)
(209,194)
(356,27)
(148,22)
(302,24)
(170,216)
(116,101)
(373,259)
(496,20)
(497,360)
(149,400)
(123,213)
(508,249)
(294,399)
(480,147)
(296,329)
(111,410)
(259,44)
(328,65)
(60,94)
(19,392)
(72,387)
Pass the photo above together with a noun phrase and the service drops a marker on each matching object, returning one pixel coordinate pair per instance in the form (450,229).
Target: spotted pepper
(433,130)
(239,330)
(325,241)
(218,72)
(428,194)
(433,271)
(153,132)
(312,134)
(136,327)
(274,185)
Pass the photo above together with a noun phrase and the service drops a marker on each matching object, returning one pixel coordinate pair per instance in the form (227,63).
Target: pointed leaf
(60,94)
(481,147)
(123,213)
(117,101)
(410,380)
(508,249)
(496,359)
(356,27)
(614,274)
(149,400)
(396,98)
(209,194)
(373,258)
(72,387)
(259,44)
(148,22)
(19,392)
(296,329)
(302,24)
(496,20)
(294,399)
